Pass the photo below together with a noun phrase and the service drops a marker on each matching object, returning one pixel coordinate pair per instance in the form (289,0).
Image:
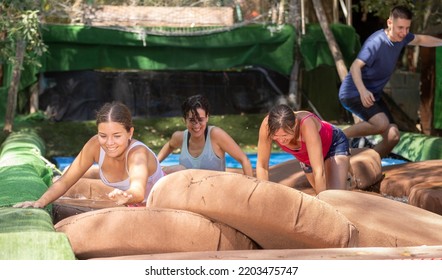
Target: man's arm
(367,97)
(426,41)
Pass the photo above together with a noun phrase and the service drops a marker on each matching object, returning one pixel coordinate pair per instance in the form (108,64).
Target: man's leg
(390,138)
(377,124)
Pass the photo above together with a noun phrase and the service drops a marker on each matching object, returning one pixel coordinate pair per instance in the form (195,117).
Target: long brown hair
(283,117)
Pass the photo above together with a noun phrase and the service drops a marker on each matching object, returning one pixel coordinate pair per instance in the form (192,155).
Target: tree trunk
(13,88)
(334,48)
(295,20)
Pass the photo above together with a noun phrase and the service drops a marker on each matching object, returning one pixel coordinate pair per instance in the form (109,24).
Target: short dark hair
(193,103)
(401,12)
(115,112)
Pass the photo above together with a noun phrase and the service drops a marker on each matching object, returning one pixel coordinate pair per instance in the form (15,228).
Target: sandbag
(384,222)
(65,207)
(365,163)
(88,188)
(130,231)
(290,173)
(87,194)
(366,167)
(273,215)
(428,196)
(400,178)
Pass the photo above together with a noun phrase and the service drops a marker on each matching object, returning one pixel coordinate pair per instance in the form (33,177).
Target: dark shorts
(355,106)
(339,146)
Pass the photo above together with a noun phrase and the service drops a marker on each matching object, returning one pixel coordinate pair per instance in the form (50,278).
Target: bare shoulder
(140,150)
(216,132)
(92,146)
(302,114)
(177,138)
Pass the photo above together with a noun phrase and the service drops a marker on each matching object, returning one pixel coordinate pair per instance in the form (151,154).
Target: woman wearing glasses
(202,146)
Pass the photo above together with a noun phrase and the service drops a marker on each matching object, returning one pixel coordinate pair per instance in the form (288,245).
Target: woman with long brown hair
(321,148)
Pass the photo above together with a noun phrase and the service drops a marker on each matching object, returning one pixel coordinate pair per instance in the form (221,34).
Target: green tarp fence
(419,147)
(27,234)
(272,47)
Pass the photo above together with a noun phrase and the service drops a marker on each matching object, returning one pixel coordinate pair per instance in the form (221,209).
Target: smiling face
(283,137)
(114,138)
(196,124)
(398,28)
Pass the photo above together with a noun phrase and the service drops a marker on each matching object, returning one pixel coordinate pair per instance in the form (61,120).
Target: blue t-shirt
(380,56)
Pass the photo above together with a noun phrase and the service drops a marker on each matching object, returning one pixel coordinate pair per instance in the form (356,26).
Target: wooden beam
(109,15)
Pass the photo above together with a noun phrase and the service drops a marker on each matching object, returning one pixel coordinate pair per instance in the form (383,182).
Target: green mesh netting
(25,219)
(27,234)
(37,245)
(20,183)
(24,174)
(419,147)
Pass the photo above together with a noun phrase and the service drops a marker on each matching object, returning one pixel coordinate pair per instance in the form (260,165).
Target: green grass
(67,138)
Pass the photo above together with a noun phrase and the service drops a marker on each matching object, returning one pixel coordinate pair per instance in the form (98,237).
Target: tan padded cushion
(273,215)
(87,188)
(400,178)
(428,196)
(138,230)
(366,166)
(66,207)
(384,222)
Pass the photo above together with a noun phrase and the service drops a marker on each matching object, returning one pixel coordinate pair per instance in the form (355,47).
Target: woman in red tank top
(321,148)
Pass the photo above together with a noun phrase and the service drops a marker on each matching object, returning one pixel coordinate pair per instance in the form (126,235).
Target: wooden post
(294,88)
(334,48)
(13,89)
(33,100)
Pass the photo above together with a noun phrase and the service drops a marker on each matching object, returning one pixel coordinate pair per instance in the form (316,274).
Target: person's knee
(383,126)
(380,123)
(394,135)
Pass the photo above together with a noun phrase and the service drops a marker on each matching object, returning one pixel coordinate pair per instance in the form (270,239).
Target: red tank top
(326,134)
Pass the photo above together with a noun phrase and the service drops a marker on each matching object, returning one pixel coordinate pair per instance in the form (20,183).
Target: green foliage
(381,8)
(420,9)
(20,22)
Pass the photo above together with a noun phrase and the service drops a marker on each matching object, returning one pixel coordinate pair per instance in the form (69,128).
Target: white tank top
(125,184)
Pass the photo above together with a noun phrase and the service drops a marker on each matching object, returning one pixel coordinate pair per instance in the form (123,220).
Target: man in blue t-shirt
(360,92)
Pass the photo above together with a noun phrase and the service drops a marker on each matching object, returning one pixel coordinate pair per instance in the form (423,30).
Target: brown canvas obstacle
(400,178)
(383,222)
(418,182)
(365,163)
(273,215)
(366,167)
(86,195)
(89,188)
(63,208)
(428,196)
(139,230)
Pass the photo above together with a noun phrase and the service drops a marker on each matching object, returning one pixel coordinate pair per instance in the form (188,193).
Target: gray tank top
(206,160)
